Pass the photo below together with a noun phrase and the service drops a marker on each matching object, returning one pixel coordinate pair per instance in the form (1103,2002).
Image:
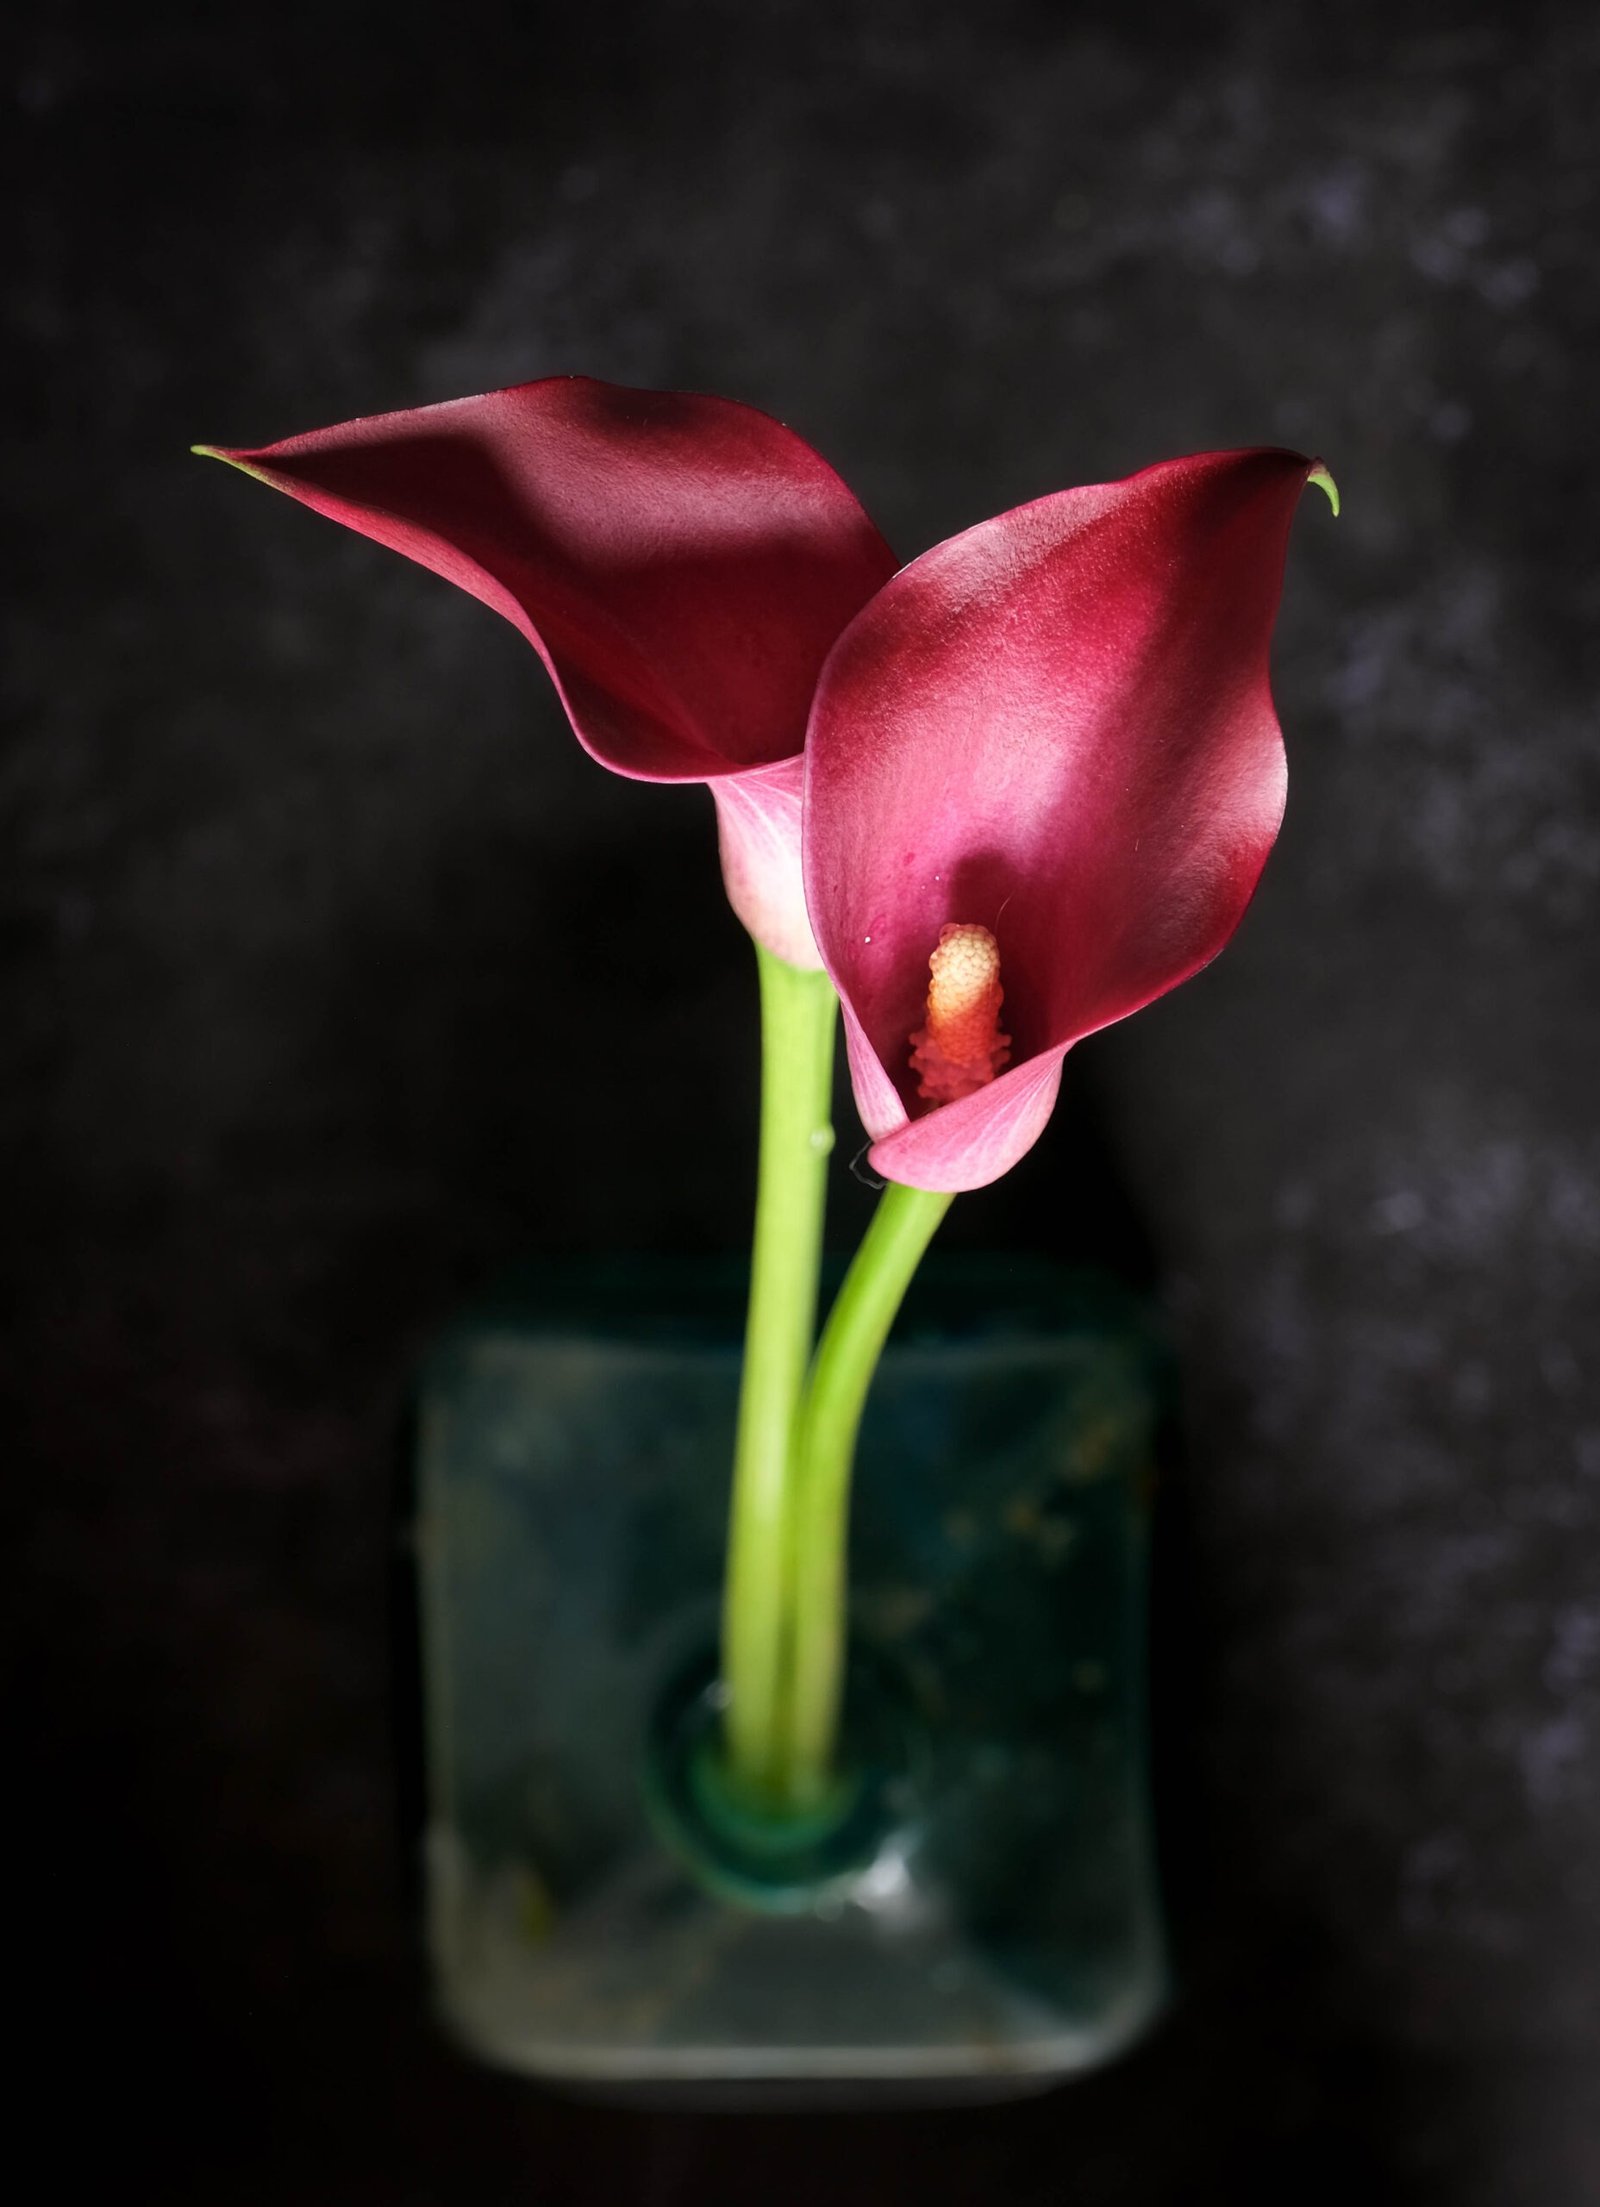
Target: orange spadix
(961,1048)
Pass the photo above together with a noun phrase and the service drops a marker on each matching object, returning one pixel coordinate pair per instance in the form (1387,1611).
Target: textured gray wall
(303,874)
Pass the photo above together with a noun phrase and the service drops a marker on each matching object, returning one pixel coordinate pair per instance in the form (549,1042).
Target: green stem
(799,1012)
(847,1356)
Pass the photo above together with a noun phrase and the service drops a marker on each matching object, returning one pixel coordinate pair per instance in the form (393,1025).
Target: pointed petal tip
(228,459)
(1320,475)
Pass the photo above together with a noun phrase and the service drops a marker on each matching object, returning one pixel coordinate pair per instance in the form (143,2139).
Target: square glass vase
(987,1920)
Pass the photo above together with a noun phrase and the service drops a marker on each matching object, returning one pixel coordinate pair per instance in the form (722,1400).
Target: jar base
(780,1861)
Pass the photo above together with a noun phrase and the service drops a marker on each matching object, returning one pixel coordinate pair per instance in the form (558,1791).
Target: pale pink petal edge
(758,830)
(961,1145)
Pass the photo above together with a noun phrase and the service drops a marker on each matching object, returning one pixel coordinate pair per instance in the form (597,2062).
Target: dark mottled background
(336,975)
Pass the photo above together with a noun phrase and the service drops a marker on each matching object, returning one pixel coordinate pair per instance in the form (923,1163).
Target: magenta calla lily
(989,804)
(1056,732)
(682,565)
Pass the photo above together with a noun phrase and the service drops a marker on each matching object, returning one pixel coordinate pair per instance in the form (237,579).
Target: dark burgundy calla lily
(682,565)
(1054,731)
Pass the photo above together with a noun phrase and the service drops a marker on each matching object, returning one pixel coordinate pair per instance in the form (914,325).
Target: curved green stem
(847,1356)
(799,1012)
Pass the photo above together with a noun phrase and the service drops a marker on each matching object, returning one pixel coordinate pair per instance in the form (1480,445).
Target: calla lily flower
(1043,773)
(681,564)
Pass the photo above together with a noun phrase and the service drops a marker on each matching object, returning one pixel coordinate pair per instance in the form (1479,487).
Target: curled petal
(960,1145)
(681,564)
(1057,726)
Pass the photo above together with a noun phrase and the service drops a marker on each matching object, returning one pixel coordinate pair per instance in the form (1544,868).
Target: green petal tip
(1324,481)
(229,459)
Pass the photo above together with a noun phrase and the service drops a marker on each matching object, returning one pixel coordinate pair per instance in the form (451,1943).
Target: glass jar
(979,1913)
